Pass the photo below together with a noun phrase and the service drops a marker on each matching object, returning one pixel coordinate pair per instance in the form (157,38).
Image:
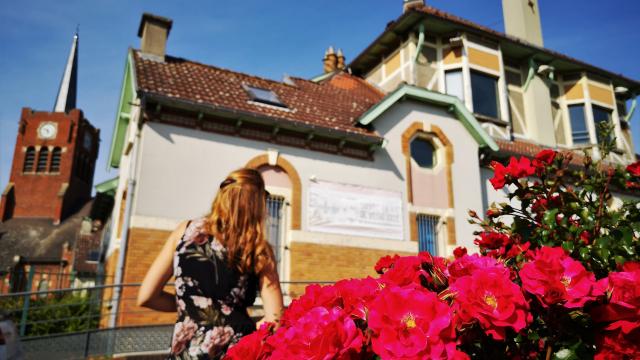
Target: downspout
(532,72)
(131,184)
(417,54)
(634,102)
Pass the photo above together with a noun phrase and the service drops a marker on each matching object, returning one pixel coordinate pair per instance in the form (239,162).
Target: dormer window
(263,96)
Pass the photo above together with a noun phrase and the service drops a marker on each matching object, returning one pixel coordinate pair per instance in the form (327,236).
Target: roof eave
(453,104)
(419,14)
(225,112)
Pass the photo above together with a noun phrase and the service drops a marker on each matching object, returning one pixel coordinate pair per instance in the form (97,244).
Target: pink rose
(409,323)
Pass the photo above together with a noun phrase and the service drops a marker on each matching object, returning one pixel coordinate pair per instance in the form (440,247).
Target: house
(382,155)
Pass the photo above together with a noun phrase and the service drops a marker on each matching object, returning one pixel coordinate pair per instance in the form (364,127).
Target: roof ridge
(198,63)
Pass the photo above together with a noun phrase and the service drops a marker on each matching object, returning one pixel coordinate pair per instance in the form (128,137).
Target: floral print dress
(212,298)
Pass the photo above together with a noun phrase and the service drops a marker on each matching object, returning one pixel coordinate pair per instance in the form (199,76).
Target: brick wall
(317,262)
(143,247)
(49,193)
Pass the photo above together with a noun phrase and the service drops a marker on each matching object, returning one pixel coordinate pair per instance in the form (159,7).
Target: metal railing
(72,323)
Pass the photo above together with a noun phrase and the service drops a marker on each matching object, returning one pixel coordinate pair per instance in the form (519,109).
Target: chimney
(410,4)
(153,32)
(522,20)
(330,60)
(340,60)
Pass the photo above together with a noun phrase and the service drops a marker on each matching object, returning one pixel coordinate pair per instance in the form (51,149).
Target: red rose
(585,237)
(253,346)
(499,175)
(616,345)
(406,270)
(355,294)
(489,297)
(631,266)
(466,265)
(544,157)
(556,278)
(320,334)
(492,240)
(411,323)
(314,295)
(521,168)
(634,169)
(623,309)
(459,252)
(384,263)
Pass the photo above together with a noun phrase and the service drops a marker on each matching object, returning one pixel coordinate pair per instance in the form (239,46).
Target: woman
(219,262)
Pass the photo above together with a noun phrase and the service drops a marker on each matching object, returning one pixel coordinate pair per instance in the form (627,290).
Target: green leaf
(565,354)
(568,245)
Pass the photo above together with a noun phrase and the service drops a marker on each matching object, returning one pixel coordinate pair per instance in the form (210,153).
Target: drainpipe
(418,51)
(532,72)
(634,102)
(131,184)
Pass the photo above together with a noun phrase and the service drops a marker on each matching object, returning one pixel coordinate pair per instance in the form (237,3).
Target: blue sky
(265,38)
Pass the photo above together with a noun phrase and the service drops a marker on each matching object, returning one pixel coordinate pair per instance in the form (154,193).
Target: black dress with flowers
(212,297)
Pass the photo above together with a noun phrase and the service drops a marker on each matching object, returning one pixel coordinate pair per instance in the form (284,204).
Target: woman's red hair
(237,220)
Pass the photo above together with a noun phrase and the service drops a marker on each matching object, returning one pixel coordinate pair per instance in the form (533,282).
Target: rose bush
(557,276)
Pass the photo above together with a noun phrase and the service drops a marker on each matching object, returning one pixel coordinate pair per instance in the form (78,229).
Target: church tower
(54,157)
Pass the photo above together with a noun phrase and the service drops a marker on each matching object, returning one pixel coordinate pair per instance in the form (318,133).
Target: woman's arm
(271,294)
(151,293)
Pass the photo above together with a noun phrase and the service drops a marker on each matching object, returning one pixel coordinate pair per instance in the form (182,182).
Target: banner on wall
(354,210)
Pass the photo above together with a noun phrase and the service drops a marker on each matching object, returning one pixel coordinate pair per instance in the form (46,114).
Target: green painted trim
(420,44)
(532,72)
(449,102)
(108,187)
(127,96)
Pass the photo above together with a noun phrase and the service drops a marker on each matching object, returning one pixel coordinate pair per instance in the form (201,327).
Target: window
(485,94)
(428,233)
(54,167)
(453,83)
(29,159)
(264,96)
(423,152)
(43,156)
(601,116)
(579,131)
(275,223)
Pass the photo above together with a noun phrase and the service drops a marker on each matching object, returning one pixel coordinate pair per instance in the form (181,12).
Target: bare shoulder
(177,233)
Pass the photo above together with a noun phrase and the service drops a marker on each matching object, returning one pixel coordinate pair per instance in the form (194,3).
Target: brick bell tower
(54,157)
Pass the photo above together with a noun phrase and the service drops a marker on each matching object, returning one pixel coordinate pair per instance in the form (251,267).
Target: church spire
(66,99)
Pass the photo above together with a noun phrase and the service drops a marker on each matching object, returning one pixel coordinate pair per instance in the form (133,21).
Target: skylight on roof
(264,96)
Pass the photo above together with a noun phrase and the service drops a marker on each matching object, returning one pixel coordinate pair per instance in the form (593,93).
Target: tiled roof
(38,239)
(334,104)
(529,149)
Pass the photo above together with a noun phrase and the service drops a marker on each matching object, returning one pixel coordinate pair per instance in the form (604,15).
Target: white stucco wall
(465,169)
(179,171)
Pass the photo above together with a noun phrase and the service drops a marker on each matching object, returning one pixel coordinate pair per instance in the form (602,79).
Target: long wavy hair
(237,220)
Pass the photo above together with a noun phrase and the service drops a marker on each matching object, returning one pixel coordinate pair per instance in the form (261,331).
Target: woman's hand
(151,293)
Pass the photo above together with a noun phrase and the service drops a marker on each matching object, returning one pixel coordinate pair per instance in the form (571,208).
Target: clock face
(47,130)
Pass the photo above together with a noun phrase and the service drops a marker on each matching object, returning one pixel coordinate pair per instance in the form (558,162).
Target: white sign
(354,210)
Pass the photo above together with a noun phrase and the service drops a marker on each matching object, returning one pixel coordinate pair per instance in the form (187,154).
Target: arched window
(43,157)
(29,159)
(423,152)
(54,167)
